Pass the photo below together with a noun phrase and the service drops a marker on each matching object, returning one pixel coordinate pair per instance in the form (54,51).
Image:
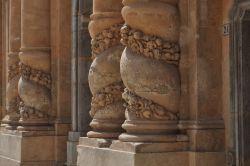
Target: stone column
(35,83)
(149,70)
(104,76)
(12,98)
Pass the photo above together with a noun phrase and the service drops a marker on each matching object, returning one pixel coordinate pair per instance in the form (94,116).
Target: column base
(35,125)
(108,129)
(11,127)
(101,152)
(10,124)
(26,148)
(99,134)
(152,138)
(35,128)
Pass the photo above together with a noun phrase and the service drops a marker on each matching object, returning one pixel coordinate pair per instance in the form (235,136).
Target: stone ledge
(95,142)
(150,147)
(27,133)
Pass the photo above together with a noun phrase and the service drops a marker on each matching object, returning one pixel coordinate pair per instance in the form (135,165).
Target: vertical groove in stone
(35,83)
(104,76)
(149,70)
(12,98)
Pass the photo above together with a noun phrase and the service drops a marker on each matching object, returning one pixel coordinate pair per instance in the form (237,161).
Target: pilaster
(202,119)
(10,121)
(205,120)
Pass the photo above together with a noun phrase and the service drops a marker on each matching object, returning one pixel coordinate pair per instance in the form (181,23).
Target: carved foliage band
(13,71)
(13,105)
(106,39)
(36,76)
(150,46)
(27,112)
(108,95)
(146,109)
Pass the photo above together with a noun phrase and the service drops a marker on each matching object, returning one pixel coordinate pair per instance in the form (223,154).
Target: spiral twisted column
(105,81)
(149,70)
(10,121)
(34,86)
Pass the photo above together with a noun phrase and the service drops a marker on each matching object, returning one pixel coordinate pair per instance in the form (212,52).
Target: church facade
(125,82)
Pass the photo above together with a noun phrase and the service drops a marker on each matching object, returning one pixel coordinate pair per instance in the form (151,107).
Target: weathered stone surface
(105,69)
(105,14)
(138,154)
(162,15)
(27,92)
(38,25)
(151,79)
(207,158)
(161,87)
(95,142)
(105,82)
(181,145)
(149,70)
(36,32)
(41,60)
(112,157)
(19,150)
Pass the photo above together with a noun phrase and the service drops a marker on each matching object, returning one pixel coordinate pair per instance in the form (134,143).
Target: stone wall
(159,80)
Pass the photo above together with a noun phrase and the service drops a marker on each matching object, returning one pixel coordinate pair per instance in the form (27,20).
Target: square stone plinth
(98,152)
(92,156)
(26,148)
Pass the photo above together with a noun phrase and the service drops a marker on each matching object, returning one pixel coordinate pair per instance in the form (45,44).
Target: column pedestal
(102,152)
(27,148)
